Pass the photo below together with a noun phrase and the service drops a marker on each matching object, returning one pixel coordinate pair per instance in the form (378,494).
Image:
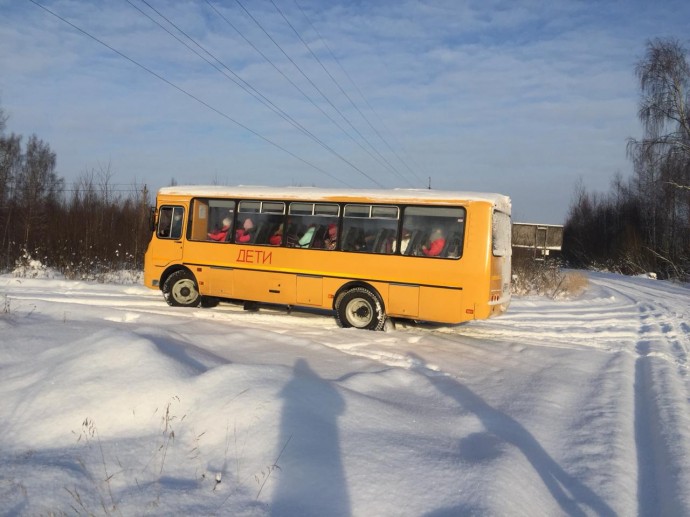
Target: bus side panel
(441,305)
(309,290)
(477,270)
(403,301)
(217,282)
(264,286)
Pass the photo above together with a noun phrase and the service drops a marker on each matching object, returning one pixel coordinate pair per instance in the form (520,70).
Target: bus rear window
(500,234)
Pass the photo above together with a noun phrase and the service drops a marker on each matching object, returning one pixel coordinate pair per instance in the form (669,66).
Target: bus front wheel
(360,308)
(180,290)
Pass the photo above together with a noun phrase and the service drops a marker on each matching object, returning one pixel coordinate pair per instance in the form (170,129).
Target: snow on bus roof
(312,193)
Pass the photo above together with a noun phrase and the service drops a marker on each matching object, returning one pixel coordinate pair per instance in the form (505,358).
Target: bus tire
(180,290)
(360,308)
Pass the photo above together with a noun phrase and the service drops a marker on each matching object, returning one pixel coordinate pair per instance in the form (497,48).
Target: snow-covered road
(568,407)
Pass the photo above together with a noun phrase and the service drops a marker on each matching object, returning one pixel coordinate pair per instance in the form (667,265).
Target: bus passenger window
(313,225)
(370,228)
(211,220)
(433,232)
(262,222)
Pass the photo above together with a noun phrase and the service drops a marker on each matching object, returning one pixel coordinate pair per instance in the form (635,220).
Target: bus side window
(164,219)
(370,228)
(313,225)
(170,222)
(260,222)
(433,232)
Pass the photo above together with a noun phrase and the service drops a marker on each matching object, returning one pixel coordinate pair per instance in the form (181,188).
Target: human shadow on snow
(195,360)
(571,494)
(310,475)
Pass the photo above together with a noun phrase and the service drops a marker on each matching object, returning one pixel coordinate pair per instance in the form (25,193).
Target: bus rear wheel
(360,308)
(180,290)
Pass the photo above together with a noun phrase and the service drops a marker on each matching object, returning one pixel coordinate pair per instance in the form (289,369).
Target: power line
(247,87)
(337,61)
(387,164)
(185,92)
(299,69)
(295,85)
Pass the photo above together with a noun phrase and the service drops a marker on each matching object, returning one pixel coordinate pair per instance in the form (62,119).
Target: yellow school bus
(367,255)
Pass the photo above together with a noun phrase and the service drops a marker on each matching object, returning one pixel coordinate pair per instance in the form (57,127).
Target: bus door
(169,231)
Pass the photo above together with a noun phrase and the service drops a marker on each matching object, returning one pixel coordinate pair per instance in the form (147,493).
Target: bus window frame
(171,224)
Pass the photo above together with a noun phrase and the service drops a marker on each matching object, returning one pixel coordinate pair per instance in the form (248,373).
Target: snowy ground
(113,403)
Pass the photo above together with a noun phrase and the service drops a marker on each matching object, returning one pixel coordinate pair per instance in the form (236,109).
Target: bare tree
(10,161)
(38,188)
(3,121)
(664,76)
(661,158)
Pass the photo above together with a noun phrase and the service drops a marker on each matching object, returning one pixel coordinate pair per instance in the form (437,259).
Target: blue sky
(521,98)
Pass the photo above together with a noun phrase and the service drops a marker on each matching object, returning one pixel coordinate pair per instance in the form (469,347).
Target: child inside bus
(220,234)
(332,237)
(244,234)
(436,243)
(277,238)
(306,239)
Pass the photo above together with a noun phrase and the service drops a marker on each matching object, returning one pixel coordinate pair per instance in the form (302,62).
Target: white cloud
(497,91)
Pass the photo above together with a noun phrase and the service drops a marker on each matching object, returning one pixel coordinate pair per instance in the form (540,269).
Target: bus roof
(501,201)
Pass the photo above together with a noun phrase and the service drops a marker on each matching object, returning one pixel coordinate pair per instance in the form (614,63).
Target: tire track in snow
(656,334)
(660,368)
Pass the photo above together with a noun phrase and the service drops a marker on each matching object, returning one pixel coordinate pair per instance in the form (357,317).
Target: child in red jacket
(437,242)
(219,235)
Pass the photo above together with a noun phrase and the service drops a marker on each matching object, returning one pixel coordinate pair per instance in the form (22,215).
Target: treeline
(643,224)
(82,231)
